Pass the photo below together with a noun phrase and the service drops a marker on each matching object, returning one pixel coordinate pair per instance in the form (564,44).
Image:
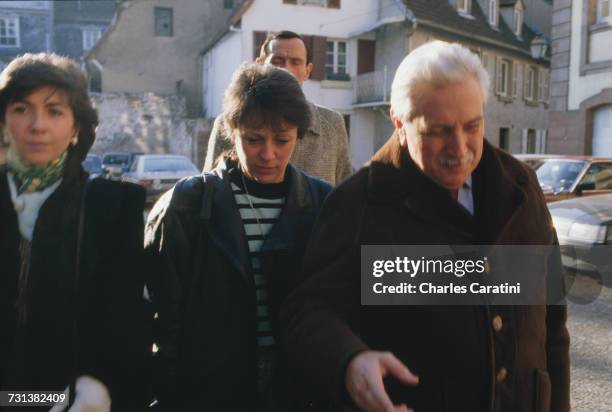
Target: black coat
(204,292)
(455,351)
(106,303)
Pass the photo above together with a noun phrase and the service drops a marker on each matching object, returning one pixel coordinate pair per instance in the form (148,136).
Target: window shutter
(536,85)
(543,138)
(515,85)
(333,4)
(543,85)
(259,37)
(319,46)
(498,75)
(538,142)
(526,82)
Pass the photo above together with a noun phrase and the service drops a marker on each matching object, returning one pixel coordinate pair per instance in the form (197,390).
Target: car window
(560,175)
(134,165)
(168,164)
(116,159)
(600,174)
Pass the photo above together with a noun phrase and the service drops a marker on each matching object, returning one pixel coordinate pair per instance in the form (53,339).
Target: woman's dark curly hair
(29,72)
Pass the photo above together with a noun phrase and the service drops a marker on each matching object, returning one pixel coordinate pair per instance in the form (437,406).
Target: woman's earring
(74,140)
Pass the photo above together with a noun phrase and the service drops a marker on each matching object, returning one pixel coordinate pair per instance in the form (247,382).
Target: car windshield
(168,164)
(116,159)
(92,163)
(559,175)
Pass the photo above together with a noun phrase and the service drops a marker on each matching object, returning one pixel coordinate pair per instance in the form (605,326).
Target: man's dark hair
(29,72)
(261,95)
(265,50)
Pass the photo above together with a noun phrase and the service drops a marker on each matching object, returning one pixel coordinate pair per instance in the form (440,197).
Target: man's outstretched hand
(364,381)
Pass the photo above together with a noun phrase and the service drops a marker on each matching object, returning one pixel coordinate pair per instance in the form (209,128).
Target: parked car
(535,160)
(158,173)
(115,164)
(93,165)
(571,176)
(584,229)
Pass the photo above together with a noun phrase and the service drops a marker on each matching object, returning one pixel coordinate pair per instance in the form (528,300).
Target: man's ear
(258,60)
(308,71)
(399,129)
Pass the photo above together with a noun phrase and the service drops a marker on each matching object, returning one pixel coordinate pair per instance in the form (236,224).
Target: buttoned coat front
(476,358)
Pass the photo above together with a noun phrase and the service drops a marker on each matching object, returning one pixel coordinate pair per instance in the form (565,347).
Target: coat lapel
(297,203)
(224,225)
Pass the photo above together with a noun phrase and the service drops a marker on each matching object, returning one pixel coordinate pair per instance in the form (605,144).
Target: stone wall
(143,122)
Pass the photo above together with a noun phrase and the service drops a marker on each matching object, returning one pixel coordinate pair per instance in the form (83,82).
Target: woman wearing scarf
(71,310)
(226,249)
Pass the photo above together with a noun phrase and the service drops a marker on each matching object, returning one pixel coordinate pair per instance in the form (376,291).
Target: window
(331,4)
(503,77)
(463,6)
(604,10)
(163,21)
(530,83)
(335,61)
(518,21)
(530,146)
(228,4)
(504,138)
(543,79)
(90,37)
(9,32)
(493,12)
(600,175)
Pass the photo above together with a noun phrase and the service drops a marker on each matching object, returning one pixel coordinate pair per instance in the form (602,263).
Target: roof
(443,16)
(233,19)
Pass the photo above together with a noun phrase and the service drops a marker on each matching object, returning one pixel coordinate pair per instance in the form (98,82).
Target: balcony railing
(372,87)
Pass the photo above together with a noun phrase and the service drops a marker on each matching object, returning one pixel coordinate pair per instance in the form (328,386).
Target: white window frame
(335,66)
(14,20)
(604,15)
(493,13)
(317,3)
(543,87)
(467,7)
(531,83)
(91,37)
(502,83)
(518,22)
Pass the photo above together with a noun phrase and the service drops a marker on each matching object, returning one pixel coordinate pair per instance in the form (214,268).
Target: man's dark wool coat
(456,351)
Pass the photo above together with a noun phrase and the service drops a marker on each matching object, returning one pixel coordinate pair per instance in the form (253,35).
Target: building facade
(501,33)
(25,27)
(581,87)
(78,24)
(358,45)
(152,46)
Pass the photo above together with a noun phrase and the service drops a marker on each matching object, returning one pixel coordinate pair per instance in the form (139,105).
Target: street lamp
(538,47)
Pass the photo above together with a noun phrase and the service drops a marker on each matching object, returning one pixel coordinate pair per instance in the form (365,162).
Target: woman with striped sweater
(225,250)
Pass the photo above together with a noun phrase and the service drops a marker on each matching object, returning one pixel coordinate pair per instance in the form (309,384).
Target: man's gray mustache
(450,161)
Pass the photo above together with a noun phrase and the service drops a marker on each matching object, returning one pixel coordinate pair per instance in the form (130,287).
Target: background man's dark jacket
(112,337)
(204,290)
(454,350)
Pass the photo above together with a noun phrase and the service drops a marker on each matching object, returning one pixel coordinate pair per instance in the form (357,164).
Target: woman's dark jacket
(204,292)
(95,325)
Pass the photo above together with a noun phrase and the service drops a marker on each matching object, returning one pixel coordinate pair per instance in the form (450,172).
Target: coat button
(501,374)
(497,323)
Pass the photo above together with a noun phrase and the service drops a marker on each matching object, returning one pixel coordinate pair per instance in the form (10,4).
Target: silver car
(158,173)
(584,228)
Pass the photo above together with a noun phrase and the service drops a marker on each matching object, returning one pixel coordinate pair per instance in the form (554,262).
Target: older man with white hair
(436,181)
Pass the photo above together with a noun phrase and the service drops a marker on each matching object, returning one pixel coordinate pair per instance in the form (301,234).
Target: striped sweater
(258,218)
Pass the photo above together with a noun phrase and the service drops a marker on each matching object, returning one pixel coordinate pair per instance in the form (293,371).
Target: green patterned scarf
(30,178)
